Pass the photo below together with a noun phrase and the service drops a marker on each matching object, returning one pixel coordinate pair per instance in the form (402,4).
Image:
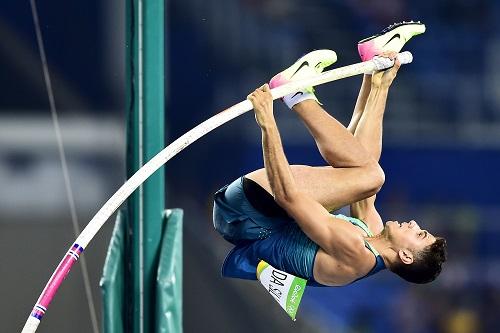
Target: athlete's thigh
(332,187)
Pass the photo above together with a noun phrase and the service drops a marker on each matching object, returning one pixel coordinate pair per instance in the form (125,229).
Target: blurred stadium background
(441,152)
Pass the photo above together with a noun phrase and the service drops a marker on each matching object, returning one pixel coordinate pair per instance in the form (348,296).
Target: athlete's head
(419,253)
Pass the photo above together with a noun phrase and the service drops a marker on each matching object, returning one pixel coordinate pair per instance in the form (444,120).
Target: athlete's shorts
(247,216)
(238,221)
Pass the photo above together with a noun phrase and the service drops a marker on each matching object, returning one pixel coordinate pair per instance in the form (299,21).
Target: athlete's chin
(391,225)
(390,228)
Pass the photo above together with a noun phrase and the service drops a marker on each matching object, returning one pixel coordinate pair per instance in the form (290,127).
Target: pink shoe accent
(367,50)
(277,80)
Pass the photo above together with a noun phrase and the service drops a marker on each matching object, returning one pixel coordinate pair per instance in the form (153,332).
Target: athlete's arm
(368,129)
(329,233)
(366,125)
(364,91)
(369,132)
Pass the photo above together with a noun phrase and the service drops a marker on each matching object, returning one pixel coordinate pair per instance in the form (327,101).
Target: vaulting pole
(144,173)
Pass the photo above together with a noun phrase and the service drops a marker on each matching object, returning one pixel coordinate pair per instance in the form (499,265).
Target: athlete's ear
(406,256)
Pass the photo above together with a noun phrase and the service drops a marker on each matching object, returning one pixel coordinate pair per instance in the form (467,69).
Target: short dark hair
(426,265)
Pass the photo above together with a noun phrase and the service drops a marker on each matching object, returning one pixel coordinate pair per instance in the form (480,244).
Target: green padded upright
(112,281)
(169,278)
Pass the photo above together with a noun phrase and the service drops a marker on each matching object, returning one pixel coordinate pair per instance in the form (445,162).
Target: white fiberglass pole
(170,151)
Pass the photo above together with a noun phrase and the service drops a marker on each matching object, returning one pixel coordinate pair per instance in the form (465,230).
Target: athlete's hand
(262,102)
(383,79)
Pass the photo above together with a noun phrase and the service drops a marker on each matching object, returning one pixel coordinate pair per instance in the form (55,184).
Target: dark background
(441,152)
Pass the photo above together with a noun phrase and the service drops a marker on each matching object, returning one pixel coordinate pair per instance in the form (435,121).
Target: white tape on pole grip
(405,57)
(383,63)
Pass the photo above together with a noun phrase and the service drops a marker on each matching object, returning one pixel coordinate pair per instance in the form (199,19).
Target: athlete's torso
(342,269)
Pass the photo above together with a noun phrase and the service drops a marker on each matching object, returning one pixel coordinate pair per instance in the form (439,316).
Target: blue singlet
(277,240)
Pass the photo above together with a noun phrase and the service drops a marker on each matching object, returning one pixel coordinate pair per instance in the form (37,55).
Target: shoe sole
(400,26)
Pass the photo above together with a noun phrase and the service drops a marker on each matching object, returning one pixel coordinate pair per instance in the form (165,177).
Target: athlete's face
(407,238)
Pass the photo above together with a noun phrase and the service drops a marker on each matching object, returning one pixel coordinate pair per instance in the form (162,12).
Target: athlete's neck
(383,247)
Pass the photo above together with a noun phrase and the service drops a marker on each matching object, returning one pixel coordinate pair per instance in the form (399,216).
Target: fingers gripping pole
(165,155)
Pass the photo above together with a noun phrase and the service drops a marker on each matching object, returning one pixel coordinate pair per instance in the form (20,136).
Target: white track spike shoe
(392,38)
(307,66)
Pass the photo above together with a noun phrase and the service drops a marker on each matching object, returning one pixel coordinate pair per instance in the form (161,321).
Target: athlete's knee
(374,177)
(379,178)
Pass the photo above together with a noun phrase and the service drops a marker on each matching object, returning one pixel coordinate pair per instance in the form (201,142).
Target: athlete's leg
(331,187)
(355,174)
(366,125)
(346,153)
(336,144)
(390,39)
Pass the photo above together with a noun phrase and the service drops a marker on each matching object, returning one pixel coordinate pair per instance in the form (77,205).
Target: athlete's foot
(392,38)
(309,65)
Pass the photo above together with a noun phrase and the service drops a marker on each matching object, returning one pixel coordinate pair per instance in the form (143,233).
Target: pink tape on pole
(56,280)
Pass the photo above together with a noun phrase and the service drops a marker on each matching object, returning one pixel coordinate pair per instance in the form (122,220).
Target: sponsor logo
(393,37)
(305,63)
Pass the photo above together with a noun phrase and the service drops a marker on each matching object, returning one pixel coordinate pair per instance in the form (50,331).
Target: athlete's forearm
(369,129)
(364,91)
(277,168)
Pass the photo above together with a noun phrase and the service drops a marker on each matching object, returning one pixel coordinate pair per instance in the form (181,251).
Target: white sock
(295,98)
